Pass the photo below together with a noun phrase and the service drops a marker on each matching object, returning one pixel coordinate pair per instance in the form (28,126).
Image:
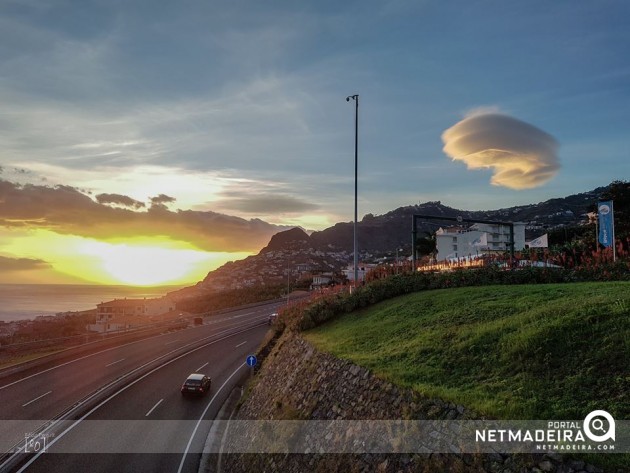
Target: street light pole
(356,170)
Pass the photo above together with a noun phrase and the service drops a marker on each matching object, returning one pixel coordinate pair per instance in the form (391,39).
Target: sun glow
(133,261)
(145,265)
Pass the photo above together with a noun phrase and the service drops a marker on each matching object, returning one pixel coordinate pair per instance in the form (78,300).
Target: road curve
(143,379)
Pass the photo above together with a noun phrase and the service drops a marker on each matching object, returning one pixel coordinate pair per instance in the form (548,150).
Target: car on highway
(271,318)
(197,384)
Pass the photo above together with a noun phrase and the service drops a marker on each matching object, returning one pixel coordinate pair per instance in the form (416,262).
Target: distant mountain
(290,255)
(294,239)
(294,253)
(382,234)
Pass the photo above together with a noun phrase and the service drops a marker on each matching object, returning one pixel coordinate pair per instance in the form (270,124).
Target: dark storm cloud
(65,210)
(520,155)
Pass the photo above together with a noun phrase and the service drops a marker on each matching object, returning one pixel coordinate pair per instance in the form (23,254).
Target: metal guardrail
(89,341)
(92,336)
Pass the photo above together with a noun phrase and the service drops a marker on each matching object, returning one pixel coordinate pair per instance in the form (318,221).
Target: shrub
(321,308)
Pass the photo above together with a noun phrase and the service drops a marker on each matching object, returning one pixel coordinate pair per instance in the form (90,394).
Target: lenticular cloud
(520,155)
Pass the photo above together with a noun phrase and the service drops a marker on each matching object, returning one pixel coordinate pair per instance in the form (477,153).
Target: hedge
(322,308)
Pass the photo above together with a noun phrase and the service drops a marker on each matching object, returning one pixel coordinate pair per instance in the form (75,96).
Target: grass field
(514,352)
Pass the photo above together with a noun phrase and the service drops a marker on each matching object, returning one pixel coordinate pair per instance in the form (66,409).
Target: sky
(148,142)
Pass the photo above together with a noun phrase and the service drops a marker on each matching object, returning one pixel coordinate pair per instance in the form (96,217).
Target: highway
(137,412)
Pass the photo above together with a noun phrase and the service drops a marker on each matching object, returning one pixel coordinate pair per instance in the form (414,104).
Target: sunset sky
(147,142)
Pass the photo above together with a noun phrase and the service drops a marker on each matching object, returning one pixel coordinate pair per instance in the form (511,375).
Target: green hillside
(554,351)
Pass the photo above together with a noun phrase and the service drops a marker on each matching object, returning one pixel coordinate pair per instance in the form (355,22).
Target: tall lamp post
(356,169)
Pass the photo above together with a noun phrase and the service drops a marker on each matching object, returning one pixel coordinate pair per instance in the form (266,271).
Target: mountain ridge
(292,253)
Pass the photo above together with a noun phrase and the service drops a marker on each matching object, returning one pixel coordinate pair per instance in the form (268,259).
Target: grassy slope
(530,352)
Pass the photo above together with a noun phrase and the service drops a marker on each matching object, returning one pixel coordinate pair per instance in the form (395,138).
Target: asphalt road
(141,422)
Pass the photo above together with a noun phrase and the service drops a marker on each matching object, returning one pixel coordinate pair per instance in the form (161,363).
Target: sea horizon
(27,301)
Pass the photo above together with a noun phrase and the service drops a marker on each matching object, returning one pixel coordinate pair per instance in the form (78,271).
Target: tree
(426,245)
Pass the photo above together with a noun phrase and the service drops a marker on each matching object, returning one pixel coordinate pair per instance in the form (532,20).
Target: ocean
(27,301)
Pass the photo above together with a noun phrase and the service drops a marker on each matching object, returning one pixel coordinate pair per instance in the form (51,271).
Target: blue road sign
(251,360)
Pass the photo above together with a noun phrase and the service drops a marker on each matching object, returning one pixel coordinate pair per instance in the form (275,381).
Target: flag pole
(597,227)
(612,211)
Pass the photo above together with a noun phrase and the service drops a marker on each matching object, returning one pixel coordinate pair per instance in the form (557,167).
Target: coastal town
(294,259)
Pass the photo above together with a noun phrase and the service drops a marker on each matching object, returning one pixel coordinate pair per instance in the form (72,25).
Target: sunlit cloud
(133,186)
(66,210)
(22,264)
(271,204)
(520,155)
(263,198)
(118,199)
(271,200)
(160,201)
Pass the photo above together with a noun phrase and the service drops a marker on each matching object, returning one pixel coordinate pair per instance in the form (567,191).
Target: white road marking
(174,341)
(124,388)
(263,317)
(202,366)
(153,408)
(241,344)
(36,399)
(114,362)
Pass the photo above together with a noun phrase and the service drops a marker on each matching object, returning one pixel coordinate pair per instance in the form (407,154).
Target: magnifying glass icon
(598,424)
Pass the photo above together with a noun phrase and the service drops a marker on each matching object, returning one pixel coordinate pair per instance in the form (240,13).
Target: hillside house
(125,313)
(322,279)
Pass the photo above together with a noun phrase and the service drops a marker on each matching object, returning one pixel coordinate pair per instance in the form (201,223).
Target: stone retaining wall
(297,382)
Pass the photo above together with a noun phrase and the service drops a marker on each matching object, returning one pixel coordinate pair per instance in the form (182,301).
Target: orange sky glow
(58,234)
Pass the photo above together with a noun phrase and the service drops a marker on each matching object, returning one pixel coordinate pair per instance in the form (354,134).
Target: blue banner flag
(606,223)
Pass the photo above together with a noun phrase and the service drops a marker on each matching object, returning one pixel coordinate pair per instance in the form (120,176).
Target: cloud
(119,199)
(160,200)
(65,210)
(22,264)
(520,155)
(266,204)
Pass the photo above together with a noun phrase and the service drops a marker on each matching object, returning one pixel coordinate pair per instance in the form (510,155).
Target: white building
(322,280)
(362,270)
(476,240)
